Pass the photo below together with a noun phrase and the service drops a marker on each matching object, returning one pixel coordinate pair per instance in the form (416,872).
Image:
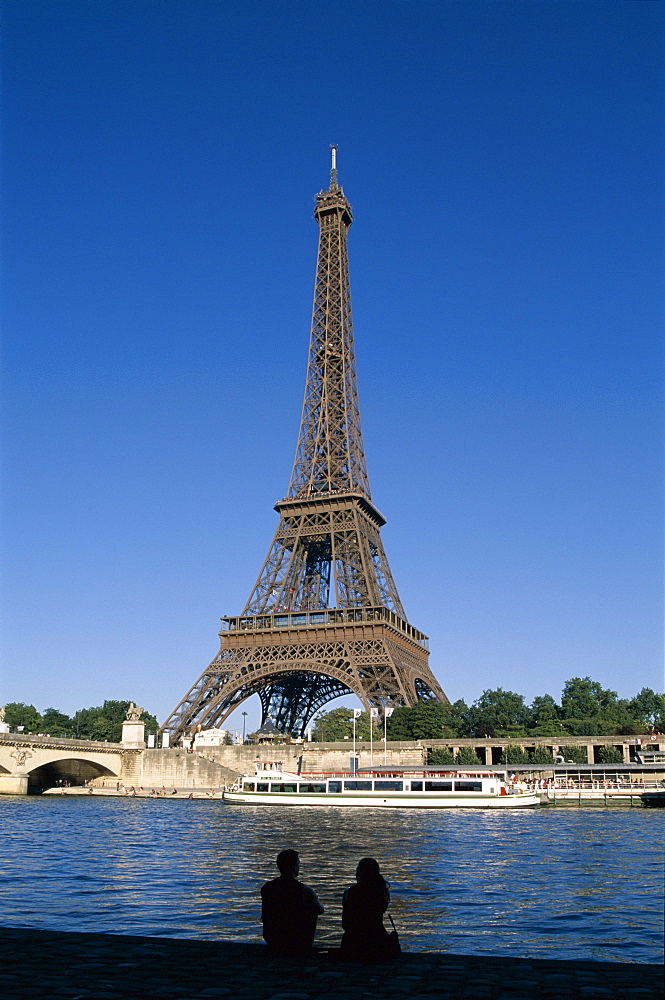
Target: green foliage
(498,710)
(17,713)
(440,755)
(549,729)
(333,726)
(336,726)
(648,709)
(514,755)
(467,755)
(101,723)
(544,709)
(580,727)
(426,720)
(57,723)
(583,698)
(609,755)
(460,717)
(540,755)
(587,709)
(576,754)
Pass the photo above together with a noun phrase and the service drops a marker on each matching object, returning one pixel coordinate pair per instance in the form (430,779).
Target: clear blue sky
(504,163)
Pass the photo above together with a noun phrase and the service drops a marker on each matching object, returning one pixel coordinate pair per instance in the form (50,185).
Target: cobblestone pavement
(67,966)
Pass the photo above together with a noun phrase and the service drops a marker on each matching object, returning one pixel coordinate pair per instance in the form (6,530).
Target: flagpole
(371,740)
(387,712)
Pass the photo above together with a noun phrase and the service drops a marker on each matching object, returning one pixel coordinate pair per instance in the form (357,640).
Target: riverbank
(41,964)
(137,792)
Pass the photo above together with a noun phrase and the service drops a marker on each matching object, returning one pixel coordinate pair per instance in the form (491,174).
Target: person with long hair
(365,939)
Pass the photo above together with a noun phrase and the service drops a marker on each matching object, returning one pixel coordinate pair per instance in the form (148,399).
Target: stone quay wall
(40,762)
(213,767)
(173,768)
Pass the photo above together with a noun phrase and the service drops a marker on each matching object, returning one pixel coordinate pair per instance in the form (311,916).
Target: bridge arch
(66,770)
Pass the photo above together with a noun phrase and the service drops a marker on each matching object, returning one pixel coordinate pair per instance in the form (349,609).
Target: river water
(584,883)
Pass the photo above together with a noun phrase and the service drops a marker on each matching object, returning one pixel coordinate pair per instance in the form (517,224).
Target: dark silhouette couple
(289,910)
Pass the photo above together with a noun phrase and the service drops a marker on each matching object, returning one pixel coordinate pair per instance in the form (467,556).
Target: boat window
(358,786)
(288,788)
(334,786)
(438,786)
(262,786)
(277,788)
(311,788)
(248,786)
(388,786)
(416,786)
(468,786)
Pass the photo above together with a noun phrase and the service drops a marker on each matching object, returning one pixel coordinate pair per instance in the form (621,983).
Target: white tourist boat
(423,788)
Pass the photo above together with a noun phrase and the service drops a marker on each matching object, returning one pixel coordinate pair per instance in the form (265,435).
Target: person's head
(288,862)
(368,870)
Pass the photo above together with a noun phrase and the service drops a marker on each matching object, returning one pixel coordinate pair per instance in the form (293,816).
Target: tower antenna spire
(333,167)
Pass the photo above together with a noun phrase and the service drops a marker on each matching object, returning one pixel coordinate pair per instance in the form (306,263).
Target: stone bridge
(30,763)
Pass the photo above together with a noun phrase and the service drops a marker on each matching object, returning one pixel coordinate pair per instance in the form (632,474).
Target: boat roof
(436,769)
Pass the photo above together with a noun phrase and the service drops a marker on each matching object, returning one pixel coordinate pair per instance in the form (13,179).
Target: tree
(459,716)
(440,755)
(467,755)
(499,710)
(426,720)
(609,755)
(551,728)
(580,727)
(540,755)
(57,723)
(337,725)
(333,726)
(583,698)
(576,754)
(17,713)
(648,708)
(104,722)
(544,709)
(514,754)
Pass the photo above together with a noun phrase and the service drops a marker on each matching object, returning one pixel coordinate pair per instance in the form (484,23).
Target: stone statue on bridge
(2,713)
(133,713)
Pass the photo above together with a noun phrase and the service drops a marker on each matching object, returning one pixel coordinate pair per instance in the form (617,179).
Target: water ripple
(573,883)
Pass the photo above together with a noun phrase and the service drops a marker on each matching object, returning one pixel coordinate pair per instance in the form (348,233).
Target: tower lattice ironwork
(324,618)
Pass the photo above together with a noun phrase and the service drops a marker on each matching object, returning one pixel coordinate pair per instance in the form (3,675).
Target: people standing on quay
(365,938)
(289,909)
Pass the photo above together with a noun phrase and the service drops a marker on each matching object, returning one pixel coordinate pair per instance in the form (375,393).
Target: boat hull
(378,801)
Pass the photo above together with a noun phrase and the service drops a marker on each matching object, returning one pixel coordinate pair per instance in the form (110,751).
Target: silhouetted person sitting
(289,909)
(365,938)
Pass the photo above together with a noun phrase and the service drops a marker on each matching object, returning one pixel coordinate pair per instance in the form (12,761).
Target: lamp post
(244,716)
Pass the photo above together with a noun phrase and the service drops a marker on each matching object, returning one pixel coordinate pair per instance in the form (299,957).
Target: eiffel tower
(324,618)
